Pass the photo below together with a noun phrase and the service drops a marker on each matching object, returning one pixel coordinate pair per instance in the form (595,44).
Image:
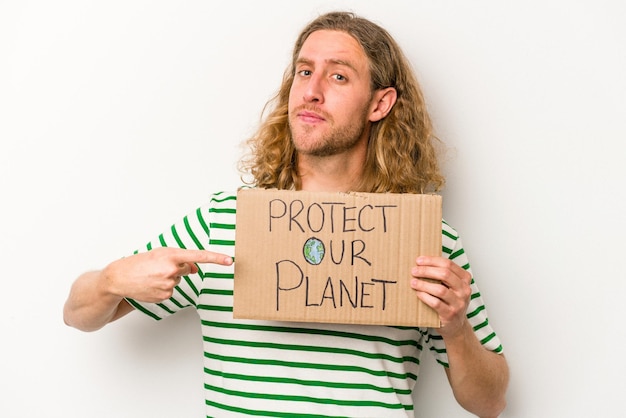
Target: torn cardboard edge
(333,257)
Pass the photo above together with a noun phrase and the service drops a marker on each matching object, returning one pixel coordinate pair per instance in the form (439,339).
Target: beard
(313,141)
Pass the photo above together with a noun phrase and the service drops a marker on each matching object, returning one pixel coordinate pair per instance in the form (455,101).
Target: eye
(304,73)
(339,77)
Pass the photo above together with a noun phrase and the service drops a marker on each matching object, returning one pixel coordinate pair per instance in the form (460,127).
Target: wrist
(458,334)
(106,283)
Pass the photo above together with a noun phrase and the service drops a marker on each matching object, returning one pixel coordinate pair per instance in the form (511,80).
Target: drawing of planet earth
(314,251)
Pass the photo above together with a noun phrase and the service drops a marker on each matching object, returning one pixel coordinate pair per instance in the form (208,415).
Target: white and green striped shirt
(286,369)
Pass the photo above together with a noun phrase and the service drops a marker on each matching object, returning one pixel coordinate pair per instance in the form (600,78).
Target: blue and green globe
(314,251)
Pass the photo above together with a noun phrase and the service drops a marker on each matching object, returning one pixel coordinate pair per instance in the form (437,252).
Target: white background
(117,118)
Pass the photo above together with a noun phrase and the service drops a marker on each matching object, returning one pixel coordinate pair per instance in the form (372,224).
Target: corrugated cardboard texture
(333,257)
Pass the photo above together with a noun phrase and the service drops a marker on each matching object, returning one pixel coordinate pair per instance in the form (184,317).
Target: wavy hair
(402,152)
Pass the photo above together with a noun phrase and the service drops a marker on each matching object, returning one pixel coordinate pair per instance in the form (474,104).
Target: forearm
(90,305)
(478,377)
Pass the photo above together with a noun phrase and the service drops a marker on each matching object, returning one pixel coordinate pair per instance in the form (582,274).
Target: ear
(382,103)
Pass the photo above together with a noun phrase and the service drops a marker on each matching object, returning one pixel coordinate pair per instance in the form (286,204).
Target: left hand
(449,296)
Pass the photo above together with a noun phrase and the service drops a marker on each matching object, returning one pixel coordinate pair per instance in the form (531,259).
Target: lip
(311,117)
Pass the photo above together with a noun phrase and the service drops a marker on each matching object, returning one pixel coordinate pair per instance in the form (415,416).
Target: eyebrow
(335,61)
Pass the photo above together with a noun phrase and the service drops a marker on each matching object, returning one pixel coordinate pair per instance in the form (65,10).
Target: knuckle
(436,304)
(173,270)
(446,274)
(439,291)
(158,251)
(166,294)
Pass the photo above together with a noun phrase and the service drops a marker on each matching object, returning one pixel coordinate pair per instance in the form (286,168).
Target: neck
(331,174)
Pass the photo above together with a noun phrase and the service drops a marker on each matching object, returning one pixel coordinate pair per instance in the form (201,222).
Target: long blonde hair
(402,150)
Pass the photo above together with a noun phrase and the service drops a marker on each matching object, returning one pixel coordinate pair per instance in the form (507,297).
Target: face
(330,101)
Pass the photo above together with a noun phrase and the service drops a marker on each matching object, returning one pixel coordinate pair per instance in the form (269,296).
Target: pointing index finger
(203,256)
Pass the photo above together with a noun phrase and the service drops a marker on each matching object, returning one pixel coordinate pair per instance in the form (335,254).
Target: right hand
(151,276)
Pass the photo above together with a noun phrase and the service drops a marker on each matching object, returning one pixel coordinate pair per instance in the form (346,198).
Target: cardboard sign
(333,257)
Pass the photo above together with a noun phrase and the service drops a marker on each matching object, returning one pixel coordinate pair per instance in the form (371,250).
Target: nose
(314,92)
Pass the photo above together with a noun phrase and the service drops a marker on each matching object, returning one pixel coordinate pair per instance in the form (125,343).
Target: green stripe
(222,292)
(438,350)
(302,382)
(193,287)
(180,291)
(227,198)
(221,242)
(213,275)
(488,338)
(192,235)
(144,310)
(178,304)
(165,308)
(215,308)
(308,348)
(179,242)
(264,413)
(481,325)
(222,226)
(449,235)
(203,222)
(476,311)
(293,398)
(223,210)
(457,254)
(444,364)
(313,366)
(308,331)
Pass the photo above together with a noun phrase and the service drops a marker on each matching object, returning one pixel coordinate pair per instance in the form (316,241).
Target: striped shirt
(288,369)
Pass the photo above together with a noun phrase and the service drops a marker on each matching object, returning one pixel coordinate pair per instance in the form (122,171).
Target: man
(349,117)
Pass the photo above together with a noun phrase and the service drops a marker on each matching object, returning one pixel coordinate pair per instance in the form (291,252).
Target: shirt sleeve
(452,248)
(191,232)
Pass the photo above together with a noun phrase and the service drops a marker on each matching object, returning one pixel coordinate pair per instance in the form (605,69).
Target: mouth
(309,116)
